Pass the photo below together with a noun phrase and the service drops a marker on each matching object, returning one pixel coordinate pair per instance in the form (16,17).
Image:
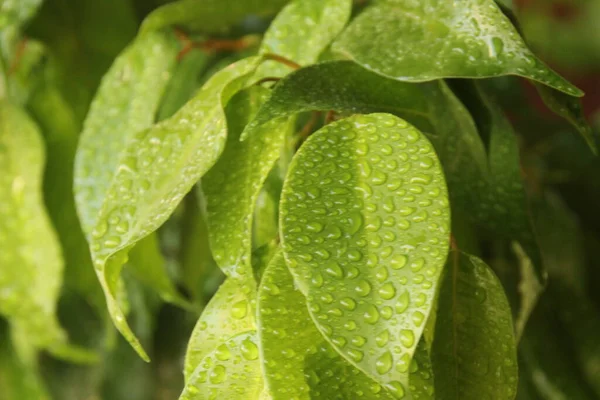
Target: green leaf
(207,16)
(365,229)
(297,360)
(301,31)
(17,379)
(227,314)
(61,133)
(126,103)
(231,187)
(570,109)
(149,267)
(17,12)
(139,191)
(31,265)
(474,351)
(529,289)
(432,39)
(230,371)
(342,86)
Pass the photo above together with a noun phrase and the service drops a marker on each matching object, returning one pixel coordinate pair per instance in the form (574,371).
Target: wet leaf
(365,229)
(232,370)
(231,187)
(139,191)
(297,360)
(425,40)
(207,16)
(227,314)
(301,31)
(474,351)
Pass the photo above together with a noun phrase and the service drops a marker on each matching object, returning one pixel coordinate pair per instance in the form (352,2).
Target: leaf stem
(283,60)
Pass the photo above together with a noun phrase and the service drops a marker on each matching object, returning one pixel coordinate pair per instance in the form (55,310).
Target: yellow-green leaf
(365,232)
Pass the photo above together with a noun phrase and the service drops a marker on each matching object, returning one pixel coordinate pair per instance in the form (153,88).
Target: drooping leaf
(148,266)
(61,132)
(227,314)
(207,16)
(141,191)
(297,360)
(230,371)
(425,40)
(31,263)
(365,229)
(231,187)
(301,31)
(474,351)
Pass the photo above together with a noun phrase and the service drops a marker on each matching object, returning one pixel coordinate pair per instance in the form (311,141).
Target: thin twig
(282,60)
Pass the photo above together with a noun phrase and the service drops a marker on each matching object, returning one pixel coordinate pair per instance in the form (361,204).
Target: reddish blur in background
(566,34)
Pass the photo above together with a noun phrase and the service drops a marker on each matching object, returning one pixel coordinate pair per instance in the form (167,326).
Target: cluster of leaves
(304,199)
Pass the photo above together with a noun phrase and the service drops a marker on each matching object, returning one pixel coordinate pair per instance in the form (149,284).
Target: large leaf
(207,16)
(365,229)
(231,187)
(31,263)
(474,351)
(431,39)
(227,314)
(230,371)
(156,167)
(297,360)
(301,31)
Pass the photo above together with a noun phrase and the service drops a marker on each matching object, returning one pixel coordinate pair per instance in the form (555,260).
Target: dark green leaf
(425,40)
(365,229)
(474,351)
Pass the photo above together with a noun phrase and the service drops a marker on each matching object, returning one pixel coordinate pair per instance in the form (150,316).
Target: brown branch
(282,60)
(267,79)
(18,56)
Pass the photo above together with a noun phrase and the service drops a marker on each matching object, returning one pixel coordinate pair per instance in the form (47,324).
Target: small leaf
(148,266)
(17,12)
(230,371)
(207,16)
(365,229)
(231,187)
(301,31)
(227,314)
(297,360)
(474,351)
(425,40)
(529,289)
(31,265)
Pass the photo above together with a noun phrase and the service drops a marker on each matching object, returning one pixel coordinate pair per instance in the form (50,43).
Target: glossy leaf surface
(230,371)
(227,314)
(425,40)
(297,360)
(364,224)
(474,350)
